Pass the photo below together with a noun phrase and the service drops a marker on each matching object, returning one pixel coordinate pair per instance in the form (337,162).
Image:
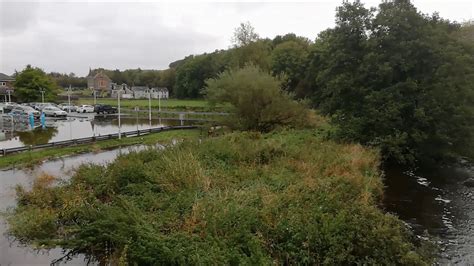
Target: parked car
(40,106)
(53,111)
(85,109)
(24,110)
(103,108)
(66,107)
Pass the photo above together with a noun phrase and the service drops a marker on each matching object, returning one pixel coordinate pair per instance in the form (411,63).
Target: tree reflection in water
(37,136)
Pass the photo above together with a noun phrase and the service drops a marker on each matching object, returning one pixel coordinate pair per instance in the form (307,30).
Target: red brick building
(100,83)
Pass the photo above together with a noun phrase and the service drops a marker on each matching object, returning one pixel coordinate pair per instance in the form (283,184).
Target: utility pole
(9,96)
(159,101)
(42,95)
(119,125)
(69,99)
(149,106)
(95,97)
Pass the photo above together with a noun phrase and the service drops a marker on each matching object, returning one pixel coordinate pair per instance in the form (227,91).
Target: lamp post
(118,104)
(9,96)
(95,97)
(42,95)
(149,106)
(159,101)
(69,99)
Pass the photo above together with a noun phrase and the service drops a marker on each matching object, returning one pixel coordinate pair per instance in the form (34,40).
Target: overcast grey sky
(73,36)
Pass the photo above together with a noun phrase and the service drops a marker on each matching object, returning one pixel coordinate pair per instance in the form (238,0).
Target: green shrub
(257,99)
(286,197)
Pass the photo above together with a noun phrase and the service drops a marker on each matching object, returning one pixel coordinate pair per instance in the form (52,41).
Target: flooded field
(73,128)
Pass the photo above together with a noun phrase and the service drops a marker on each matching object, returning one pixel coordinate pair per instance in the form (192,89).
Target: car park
(53,111)
(85,109)
(104,109)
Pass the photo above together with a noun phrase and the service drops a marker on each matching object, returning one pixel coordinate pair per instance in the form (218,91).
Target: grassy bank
(287,197)
(34,157)
(170,104)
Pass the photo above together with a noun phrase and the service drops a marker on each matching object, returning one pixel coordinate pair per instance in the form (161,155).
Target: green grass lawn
(34,157)
(143,103)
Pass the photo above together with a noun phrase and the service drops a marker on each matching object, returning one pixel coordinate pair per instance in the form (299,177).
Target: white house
(139,92)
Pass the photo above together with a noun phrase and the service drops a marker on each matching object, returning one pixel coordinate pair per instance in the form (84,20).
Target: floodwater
(74,128)
(11,253)
(435,200)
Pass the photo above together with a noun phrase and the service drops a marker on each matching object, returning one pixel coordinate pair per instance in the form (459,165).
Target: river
(432,200)
(436,200)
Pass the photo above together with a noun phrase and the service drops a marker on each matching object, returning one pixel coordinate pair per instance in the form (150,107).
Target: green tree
(30,82)
(244,35)
(191,76)
(290,58)
(397,80)
(256,53)
(257,99)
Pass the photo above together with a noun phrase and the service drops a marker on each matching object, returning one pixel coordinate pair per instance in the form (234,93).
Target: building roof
(101,74)
(4,77)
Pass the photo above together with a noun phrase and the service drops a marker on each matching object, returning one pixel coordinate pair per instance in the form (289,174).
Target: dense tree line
(397,79)
(389,77)
(64,80)
(285,56)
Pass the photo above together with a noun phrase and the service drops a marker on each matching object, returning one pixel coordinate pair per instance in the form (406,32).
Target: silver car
(53,111)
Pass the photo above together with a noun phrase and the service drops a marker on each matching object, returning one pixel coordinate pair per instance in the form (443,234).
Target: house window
(3,83)
(101,83)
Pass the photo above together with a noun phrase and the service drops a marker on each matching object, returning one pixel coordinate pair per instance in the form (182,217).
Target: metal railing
(64,143)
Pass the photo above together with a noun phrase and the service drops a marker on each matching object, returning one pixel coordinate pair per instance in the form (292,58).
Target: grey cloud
(70,37)
(17,17)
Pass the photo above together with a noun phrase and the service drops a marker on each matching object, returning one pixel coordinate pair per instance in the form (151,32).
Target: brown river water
(434,200)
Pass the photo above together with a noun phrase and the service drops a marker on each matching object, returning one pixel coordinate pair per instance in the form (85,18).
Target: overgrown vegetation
(257,99)
(286,197)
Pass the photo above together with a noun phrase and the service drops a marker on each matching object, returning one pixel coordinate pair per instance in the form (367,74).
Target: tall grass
(287,197)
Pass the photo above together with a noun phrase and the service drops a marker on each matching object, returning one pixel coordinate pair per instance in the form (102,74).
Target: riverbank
(239,198)
(31,158)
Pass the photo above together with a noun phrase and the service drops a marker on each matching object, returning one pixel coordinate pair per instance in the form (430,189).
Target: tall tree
(397,80)
(244,35)
(290,58)
(30,82)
